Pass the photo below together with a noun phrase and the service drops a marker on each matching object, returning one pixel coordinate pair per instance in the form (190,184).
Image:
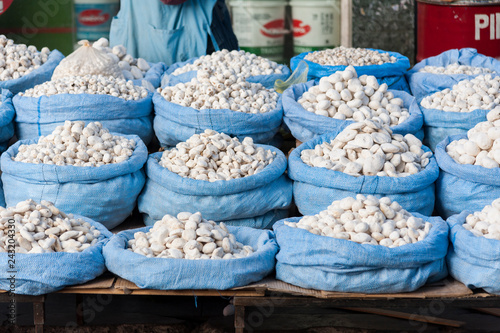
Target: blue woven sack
(439,124)
(472,260)
(423,84)
(306,125)
(37,116)
(390,73)
(463,186)
(38,76)
(106,194)
(171,274)
(168,79)
(7,114)
(314,188)
(254,201)
(174,123)
(325,263)
(43,273)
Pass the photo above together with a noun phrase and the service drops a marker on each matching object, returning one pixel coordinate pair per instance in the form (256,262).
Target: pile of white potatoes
(78,145)
(346,56)
(456,68)
(369,149)
(485,223)
(42,228)
(214,156)
(132,68)
(17,60)
(221,90)
(481,92)
(244,64)
(366,220)
(343,95)
(189,236)
(482,146)
(89,84)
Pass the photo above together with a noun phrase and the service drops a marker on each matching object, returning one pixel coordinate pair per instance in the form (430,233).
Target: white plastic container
(93,18)
(316,25)
(259,26)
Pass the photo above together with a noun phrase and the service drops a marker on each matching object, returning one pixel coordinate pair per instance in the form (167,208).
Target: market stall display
(362,178)
(366,220)
(79,169)
(178,269)
(481,92)
(23,67)
(253,68)
(335,101)
(352,260)
(52,249)
(469,168)
(433,74)
(364,158)
(237,182)
(188,236)
(119,105)
(474,256)
(388,67)
(220,101)
(358,152)
(455,110)
(455,68)
(485,223)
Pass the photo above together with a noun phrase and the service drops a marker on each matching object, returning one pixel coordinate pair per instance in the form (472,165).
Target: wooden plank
(108,291)
(490,311)
(129,287)
(201,292)
(448,289)
(125,284)
(394,303)
(38,315)
(286,288)
(22,298)
(80,320)
(273,285)
(101,282)
(451,288)
(239,319)
(409,316)
(483,295)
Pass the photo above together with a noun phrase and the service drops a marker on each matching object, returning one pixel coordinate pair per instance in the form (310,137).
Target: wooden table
(446,292)
(38,307)
(280,294)
(108,284)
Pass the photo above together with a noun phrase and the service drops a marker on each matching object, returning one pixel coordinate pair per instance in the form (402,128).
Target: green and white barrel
(316,25)
(259,26)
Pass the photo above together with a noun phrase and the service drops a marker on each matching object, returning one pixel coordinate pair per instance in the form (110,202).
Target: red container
(444,25)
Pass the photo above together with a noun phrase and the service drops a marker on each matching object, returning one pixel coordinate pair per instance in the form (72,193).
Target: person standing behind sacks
(172,30)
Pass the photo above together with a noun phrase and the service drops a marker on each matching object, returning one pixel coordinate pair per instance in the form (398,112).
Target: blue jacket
(171,33)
